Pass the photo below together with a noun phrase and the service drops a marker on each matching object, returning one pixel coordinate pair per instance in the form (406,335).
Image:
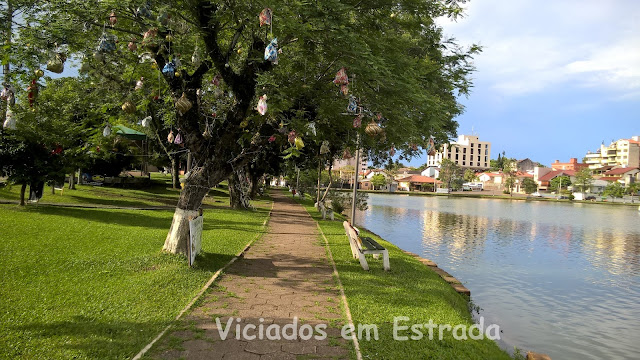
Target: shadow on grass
(93,338)
(119,217)
(211,262)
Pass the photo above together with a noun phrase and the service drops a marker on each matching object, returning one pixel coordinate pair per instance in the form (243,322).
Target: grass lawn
(92,283)
(159,193)
(410,289)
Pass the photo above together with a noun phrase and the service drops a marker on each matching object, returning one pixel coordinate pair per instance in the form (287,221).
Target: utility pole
(355,183)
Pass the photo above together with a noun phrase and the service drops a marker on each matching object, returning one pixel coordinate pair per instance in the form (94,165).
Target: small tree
(510,183)
(584,179)
(529,186)
(560,182)
(378,180)
(449,171)
(614,190)
(632,189)
(470,175)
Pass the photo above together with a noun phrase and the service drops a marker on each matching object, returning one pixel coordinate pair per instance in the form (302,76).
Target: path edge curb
(213,278)
(345,303)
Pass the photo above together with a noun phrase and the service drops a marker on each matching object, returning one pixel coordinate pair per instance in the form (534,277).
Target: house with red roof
(625,175)
(418,183)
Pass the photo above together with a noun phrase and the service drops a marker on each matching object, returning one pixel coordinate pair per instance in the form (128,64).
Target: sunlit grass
(93,283)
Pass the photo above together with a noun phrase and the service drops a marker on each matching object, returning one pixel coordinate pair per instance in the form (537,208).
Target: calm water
(561,279)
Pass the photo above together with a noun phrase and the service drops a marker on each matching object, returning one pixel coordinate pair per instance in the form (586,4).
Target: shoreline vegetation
(410,289)
(479,195)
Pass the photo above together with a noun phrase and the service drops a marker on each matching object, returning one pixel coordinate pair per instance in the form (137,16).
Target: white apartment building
(468,152)
(624,153)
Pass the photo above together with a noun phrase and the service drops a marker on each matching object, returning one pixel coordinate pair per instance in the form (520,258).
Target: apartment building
(468,152)
(624,153)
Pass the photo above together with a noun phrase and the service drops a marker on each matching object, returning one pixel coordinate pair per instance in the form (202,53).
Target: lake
(558,278)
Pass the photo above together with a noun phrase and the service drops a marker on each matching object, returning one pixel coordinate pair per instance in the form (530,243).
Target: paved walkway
(284,275)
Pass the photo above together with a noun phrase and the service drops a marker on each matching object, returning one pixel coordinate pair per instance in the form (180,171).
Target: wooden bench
(361,246)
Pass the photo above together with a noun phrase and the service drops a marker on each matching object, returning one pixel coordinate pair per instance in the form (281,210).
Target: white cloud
(531,45)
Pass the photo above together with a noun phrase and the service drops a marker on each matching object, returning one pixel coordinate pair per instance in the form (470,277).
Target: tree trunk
(196,187)
(72,181)
(239,190)
(53,189)
(23,190)
(318,188)
(175,172)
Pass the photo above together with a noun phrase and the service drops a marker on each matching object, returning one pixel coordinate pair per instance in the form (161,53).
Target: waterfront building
(624,152)
(418,183)
(468,152)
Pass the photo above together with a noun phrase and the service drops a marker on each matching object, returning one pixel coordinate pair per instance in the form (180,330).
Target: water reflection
(558,278)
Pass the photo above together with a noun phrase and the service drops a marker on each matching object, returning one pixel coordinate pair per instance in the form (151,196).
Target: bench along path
(284,275)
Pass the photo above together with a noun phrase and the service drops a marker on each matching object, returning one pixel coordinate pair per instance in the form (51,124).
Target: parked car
(536,194)
(590,197)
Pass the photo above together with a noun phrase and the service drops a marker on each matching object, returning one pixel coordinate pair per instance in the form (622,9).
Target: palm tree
(632,189)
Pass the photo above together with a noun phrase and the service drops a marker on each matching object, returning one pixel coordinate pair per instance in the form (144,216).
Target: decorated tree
(259,76)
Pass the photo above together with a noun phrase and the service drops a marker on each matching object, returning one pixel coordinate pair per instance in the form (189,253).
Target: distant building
(468,152)
(418,183)
(573,165)
(431,171)
(525,165)
(351,163)
(624,152)
(405,172)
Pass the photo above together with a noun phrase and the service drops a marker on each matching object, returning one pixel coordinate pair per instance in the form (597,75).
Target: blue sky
(555,78)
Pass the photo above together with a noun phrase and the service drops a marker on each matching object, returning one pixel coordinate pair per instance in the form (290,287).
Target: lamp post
(355,182)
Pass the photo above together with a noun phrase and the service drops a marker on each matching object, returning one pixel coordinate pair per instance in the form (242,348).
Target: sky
(555,79)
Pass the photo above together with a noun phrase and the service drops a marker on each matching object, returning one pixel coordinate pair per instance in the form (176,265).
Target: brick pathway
(284,275)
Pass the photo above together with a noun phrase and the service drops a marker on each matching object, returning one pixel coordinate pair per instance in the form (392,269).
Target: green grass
(409,289)
(159,193)
(93,283)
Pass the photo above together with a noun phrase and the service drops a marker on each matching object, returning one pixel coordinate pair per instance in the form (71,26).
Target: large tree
(407,76)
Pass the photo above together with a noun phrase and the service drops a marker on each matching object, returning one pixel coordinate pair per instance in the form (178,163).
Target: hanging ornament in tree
(344,90)
(144,11)
(392,152)
(32,92)
(431,147)
(357,121)
(10,121)
(298,143)
(271,52)
(128,107)
(183,104)
(292,136)
(312,128)
(216,80)
(207,131)
(132,46)
(178,140)
(163,18)
(341,77)
(262,105)
(169,38)
(373,129)
(148,36)
(266,15)
(140,84)
(8,94)
(39,73)
(196,59)
(414,147)
(107,130)
(272,138)
(346,154)
(169,69)
(324,148)
(112,18)
(352,107)
(146,121)
(107,43)
(171,137)
(56,64)
(99,56)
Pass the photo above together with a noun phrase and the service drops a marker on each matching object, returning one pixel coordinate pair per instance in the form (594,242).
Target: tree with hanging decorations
(240,76)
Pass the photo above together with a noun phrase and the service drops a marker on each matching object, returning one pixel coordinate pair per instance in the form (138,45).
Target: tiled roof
(419,179)
(610,178)
(553,174)
(619,171)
